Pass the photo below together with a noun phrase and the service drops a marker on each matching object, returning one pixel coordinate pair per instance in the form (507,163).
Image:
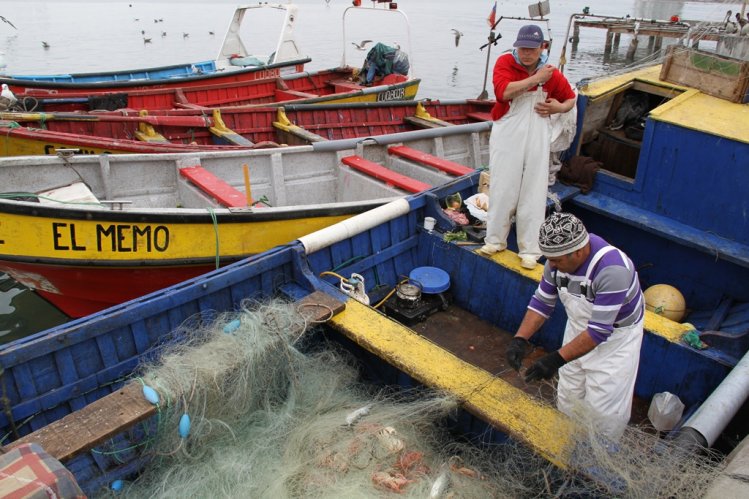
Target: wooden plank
(418,122)
(209,183)
(86,428)
(388,176)
(480,116)
(441,164)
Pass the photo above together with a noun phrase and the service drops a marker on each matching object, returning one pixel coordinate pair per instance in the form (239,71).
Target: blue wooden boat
(681,215)
(228,66)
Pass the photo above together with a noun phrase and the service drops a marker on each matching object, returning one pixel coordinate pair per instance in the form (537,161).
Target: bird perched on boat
(457,34)
(45,45)
(7,98)
(361,45)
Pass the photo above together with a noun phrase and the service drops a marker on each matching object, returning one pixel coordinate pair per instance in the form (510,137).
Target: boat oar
(186,121)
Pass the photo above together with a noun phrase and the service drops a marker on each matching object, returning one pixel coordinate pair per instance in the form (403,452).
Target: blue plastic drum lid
(433,280)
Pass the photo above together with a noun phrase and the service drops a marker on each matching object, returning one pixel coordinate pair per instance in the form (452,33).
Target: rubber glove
(516,352)
(545,367)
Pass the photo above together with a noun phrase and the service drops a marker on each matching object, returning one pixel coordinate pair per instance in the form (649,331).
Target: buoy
(151,395)
(665,300)
(184,425)
(232,326)
(117,485)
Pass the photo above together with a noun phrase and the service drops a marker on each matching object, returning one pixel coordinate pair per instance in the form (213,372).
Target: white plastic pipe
(722,405)
(354,225)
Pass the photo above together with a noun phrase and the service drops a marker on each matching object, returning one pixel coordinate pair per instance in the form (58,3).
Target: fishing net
(272,414)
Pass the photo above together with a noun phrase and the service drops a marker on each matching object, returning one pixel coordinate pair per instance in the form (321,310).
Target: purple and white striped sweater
(613,289)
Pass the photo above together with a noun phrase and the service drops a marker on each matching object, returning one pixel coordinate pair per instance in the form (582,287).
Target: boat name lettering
(60,235)
(392,94)
(131,238)
(267,73)
(51,150)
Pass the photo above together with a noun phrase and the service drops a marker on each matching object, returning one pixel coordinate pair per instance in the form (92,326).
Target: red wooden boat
(187,130)
(338,85)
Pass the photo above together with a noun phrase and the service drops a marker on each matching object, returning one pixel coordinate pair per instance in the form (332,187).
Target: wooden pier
(692,32)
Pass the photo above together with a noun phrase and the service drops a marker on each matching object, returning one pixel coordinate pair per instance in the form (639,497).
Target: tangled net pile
(274,417)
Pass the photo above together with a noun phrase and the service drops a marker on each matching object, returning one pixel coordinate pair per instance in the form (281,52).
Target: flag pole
(492,41)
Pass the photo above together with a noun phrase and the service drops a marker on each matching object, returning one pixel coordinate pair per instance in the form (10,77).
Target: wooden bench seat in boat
(102,419)
(444,165)
(479,116)
(287,94)
(342,86)
(223,193)
(388,176)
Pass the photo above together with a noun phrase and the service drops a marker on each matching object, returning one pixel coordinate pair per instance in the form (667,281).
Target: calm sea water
(85,36)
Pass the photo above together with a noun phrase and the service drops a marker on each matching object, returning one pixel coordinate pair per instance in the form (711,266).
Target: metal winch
(422,294)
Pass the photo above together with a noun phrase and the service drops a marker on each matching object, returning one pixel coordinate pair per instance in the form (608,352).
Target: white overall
(604,378)
(519,165)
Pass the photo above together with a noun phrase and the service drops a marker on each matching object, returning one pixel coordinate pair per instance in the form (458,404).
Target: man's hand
(545,367)
(516,352)
(544,73)
(548,107)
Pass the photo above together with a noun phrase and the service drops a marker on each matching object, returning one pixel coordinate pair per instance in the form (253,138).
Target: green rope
(215,231)
(9,124)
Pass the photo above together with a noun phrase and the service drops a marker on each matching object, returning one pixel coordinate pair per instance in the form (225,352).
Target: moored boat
(148,221)
(407,341)
(232,64)
(336,85)
(169,131)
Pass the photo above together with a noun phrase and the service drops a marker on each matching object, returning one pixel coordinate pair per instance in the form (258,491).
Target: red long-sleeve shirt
(507,70)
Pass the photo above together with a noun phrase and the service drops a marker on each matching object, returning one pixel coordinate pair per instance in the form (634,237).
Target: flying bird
(211,33)
(45,45)
(361,45)
(457,34)
(185,35)
(163,34)
(7,22)
(146,40)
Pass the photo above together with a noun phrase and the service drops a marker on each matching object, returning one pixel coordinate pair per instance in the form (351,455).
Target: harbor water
(85,36)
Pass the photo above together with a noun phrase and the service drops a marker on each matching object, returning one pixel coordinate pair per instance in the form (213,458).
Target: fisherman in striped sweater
(599,288)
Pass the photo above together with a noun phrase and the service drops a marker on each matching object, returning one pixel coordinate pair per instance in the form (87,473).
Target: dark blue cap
(530,36)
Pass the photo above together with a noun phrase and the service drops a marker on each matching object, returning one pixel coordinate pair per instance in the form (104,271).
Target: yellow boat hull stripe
(531,421)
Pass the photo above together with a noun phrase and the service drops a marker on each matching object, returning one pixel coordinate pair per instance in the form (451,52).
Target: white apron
(519,165)
(604,378)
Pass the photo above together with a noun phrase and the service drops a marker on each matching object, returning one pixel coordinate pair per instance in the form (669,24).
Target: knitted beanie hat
(561,234)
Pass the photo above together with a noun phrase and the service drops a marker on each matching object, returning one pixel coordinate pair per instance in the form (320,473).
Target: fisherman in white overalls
(600,290)
(528,92)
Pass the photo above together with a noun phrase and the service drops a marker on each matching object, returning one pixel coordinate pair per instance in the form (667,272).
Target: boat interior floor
(483,345)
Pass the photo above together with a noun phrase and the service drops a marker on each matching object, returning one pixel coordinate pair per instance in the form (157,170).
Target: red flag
(493,16)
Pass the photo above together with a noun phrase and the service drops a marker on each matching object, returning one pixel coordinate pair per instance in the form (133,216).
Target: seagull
(163,34)
(146,40)
(185,35)
(142,32)
(211,33)
(8,94)
(361,45)
(7,22)
(45,45)
(458,34)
